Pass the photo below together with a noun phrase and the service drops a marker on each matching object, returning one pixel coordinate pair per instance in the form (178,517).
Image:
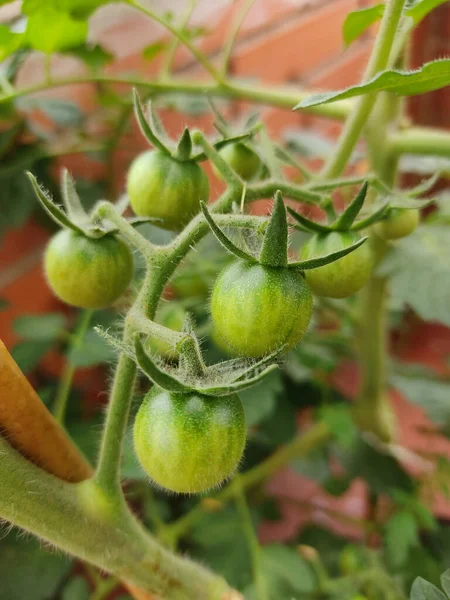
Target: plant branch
(106,210)
(170,54)
(65,384)
(419,140)
(231,38)
(378,62)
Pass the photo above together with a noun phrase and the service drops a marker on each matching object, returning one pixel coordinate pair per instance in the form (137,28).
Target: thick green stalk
(84,521)
(420,140)
(358,118)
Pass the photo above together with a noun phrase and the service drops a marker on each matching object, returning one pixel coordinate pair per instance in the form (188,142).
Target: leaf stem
(170,54)
(253,543)
(231,38)
(65,384)
(378,62)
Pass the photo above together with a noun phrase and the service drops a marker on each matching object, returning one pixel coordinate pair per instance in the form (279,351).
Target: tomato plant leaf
(156,373)
(94,56)
(223,239)
(346,219)
(287,572)
(306,224)
(420,272)
(424,590)
(71,200)
(147,125)
(358,21)
(377,214)
(76,589)
(45,327)
(419,10)
(320,261)
(445,582)
(431,76)
(400,535)
(10,41)
(259,403)
(184,148)
(51,30)
(274,251)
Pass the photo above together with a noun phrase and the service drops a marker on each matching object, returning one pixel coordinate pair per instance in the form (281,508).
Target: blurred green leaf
(94,56)
(420,272)
(400,535)
(92,351)
(9,41)
(424,590)
(61,112)
(43,327)
(424,165)
(340,422)
(259,401)
(28,354)
(358,21)
(51,30)
(445,582)
(419,10)
(27,571)
(4,304)
(154,50)
(76,589)
(431,76)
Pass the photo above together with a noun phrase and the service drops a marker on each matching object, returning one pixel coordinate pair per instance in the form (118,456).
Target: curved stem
(198,55)
(62,395)
(170,54)
(253,543)
(420,140)
(231,38)
(378,62)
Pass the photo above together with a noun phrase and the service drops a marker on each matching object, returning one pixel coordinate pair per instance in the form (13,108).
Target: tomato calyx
(274,249)
(185,149)
(192,375)
(73,216)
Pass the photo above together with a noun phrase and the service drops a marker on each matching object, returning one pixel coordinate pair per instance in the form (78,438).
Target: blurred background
(90,129)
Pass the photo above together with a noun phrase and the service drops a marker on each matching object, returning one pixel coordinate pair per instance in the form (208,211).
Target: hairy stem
(378,62)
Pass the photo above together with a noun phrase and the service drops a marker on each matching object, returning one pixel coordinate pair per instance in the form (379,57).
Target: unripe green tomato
(189,443)
(256,309)
(241,159)
(163,188)
(172,316)
(87,272)
(398,224)
(345,276)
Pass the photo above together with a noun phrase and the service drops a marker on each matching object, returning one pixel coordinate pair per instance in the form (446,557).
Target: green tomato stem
(170,54)
(231,177)
(253,544)
(106,210)
(84,521)
(379,60)
(420,140)
(65,385)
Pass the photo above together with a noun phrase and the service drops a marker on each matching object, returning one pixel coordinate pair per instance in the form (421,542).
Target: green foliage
(357,22)
(431,76)
(76,589)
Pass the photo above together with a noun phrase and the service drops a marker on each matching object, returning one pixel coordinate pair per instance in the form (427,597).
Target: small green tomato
(167,189)
(256,309)
(398,224)
(87,272)
(189,443)
(241,159)
(345,276)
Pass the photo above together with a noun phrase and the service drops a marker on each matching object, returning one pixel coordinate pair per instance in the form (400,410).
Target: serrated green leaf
(424,590)
(420,272)
(51,30)
(48,327)
(400,535)
(431,76)
(358,21)
(29,571)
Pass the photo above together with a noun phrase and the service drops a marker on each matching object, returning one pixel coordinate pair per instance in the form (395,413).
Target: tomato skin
(87,272)
(189,443)
(241,159)
(400,223)
(163,188)
(345,276)
(256,309)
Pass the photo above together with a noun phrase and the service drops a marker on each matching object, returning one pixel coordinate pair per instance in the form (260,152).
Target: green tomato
(172,316)
(256,309)
(345,276)
(189,443)
(398,224)
(163,188)
(87,272)
(241,159)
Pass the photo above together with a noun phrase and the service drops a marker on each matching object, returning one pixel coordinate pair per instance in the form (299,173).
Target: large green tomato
(345,276)
(241,159)
(163,188)
(189,443)
(256,309)
(87,272)
(398,224)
